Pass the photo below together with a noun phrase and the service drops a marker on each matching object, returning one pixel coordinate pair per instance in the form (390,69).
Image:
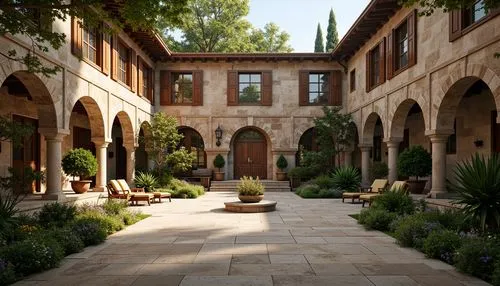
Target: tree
(318,43)
(271,39)
(447,5)
(33,20)
(332,36)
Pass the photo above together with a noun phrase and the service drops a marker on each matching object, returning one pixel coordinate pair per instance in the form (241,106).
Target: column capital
(365,147)
(53,134)
(437,132)
(130,147)
(101,142)
(393,141)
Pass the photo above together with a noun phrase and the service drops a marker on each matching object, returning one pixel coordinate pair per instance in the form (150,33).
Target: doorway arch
(250,154)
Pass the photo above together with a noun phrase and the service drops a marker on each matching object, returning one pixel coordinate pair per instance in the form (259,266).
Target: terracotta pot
(251,199)
(281,176)
(219,176)
(80,187)
(416,187)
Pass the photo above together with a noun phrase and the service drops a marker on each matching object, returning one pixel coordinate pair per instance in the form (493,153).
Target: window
(375,66)
(145,82)
(144,79)
(318,88)
(123,60)
(182,88)
(475,13)
(401,52)
(352,80)
(402,46)
(463,21)
(249,87)
(90,45)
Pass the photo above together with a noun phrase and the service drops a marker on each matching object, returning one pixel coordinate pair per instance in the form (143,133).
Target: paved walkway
(305,242)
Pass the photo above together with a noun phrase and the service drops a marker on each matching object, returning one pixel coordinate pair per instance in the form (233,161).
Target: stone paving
(305,242)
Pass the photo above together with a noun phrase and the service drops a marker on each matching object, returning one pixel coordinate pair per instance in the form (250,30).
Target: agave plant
(478,185)
(346,179)
(146,180)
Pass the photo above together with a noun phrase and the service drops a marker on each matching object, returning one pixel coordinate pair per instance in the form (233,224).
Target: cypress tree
(332,36)
(318,43)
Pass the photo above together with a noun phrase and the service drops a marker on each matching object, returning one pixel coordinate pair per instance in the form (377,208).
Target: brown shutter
(367,72)
(303,88)
(232,88)
(198,88)
(151,85)
(141,69)
(165,88)
(390,56)
(412,38)
(455,23)
(381,50)
(106,52)
(76,37)
(132,59)
(114,57)
(335,88)
(267,88)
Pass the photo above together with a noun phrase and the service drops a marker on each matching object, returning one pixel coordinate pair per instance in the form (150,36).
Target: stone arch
(96,119)
(200,128)
(196,146)
(398,120)
(127,129)
(38,91)
(230,133)
(298,132)
(369,128)
(145,126)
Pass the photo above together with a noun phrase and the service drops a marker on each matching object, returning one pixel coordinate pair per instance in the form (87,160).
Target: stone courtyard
(304,242)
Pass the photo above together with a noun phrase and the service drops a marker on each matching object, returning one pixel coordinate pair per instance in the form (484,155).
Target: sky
(300,18)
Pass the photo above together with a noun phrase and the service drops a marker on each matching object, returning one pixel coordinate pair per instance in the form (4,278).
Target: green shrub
(477,182)
(90,230)
(219,162)
(330,193)
(79,162)
(56,215)
(114,207)
(303,172)
(324,182)
(128,217)
(33,255)
(148,181)
(281,163)
(178,188)
(477,257)
(411,231)
(415,161)
(67,239)
(110,223)
(495,280)
(395,202)
(377,219)
(442,244)
(308,191)
(7,272)
(347,179)
(379,170)
(249,186)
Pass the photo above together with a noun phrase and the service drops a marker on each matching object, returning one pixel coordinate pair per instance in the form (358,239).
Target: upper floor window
(145,82)
(465,20)
(249,87)
(402,46)
(123,60)
(90,45)
(182,87)
(375,66)
(375,72)
(401,52)
(352,80)
(320,87)
(144,79)
(475,13)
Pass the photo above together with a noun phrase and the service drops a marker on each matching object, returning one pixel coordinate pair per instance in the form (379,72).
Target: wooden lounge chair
(136,194)
(115,191)
(396,186)
(377,186)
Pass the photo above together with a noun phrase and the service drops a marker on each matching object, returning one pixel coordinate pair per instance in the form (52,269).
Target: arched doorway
(250,154)
(193,141)
(307,142)
(121,162)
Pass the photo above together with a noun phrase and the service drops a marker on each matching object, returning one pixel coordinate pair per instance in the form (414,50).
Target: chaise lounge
(120,189)
(377,186)
(396,186)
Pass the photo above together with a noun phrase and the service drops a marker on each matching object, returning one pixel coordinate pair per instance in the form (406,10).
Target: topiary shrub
(478,256)
(90,230)
(79,162)
(379,170)
(346,179)
(415,161)
(219,162)
(378,219)
(411,231)
(249,186)
(442,244)
(146,180)
(282,163)
(56,215)
(395,202)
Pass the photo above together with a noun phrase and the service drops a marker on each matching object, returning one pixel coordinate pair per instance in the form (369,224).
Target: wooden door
(250,155)
(28,154)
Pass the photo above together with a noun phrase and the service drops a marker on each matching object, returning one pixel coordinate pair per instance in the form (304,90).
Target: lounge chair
(136,194)
(396,186)
(115,191)
(377,186)
(156,195)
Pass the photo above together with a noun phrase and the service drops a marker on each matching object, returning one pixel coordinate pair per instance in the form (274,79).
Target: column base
(54,197)
(439,195)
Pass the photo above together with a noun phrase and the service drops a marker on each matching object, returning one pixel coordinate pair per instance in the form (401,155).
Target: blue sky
(300,17)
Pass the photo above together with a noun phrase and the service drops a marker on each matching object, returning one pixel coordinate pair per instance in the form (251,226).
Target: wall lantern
(478,143)
(218,135)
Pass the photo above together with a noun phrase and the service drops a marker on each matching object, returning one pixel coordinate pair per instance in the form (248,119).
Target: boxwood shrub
(377,219)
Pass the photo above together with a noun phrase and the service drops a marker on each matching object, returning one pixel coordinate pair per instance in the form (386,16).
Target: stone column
(130,163)
(101,147)
(53,139)
(392,158)
(365,164)
(348,156)
(438,165)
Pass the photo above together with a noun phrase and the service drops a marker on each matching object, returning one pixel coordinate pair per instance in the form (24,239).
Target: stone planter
(281,176)
(218,176)
(80,187)
(416,187)
(251,199)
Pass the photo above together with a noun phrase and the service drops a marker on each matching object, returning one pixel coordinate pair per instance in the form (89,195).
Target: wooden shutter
(335,88)
(76,37)
(198,88)
(390,56)
(141,69)
(232,88)
(267,88)
(165,88)
(367,72)
(381,49)
(132,59)
(151,85)
(412,38)
(114,57)
(303,88)
(106,52)
(455,23)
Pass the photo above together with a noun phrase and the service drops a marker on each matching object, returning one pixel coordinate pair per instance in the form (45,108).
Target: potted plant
(415,162)
(250,190)
(281,164)
(219,163)
(80,162)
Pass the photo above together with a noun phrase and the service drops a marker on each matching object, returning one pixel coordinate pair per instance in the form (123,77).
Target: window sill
(92,64)
(397,72)
(374,86)
(124,84)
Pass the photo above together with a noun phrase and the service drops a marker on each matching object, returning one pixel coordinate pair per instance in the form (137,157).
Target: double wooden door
(250,155)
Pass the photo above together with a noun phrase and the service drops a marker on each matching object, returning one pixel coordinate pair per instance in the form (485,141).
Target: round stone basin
(260,207)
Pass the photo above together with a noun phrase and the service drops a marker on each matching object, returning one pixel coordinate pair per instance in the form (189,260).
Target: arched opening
(120,163)
(142,160)
(193,141)
(373,135)
(250,153)
(307,142)
(356,153)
